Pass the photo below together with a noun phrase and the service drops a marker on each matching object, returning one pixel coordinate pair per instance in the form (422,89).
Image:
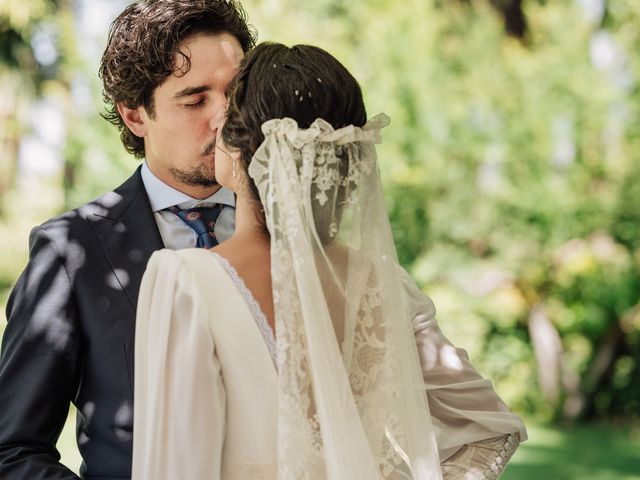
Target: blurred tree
(94,159)
(526,154)
(21,77)
(514,19)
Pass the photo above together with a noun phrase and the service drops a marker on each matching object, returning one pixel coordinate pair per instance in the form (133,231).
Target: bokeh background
(511,172)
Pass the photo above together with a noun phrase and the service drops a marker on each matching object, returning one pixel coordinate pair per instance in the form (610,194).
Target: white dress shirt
(174,232)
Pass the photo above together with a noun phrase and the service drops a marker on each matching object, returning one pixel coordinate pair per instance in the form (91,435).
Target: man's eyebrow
(191,91)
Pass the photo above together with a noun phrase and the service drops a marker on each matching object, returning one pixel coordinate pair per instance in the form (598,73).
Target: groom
(70,332)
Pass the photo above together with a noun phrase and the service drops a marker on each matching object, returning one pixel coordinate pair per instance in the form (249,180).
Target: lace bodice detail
(252,303)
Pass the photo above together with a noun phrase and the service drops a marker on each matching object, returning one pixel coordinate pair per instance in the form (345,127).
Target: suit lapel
(127,231)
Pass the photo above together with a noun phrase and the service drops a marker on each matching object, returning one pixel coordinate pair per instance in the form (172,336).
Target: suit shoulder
(102,206)
(71,220)
(59,225)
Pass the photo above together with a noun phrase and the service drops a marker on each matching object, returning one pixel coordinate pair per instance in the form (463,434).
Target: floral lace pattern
(372,376)
(349,397)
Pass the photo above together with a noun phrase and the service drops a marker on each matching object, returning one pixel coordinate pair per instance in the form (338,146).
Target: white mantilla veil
(351,398)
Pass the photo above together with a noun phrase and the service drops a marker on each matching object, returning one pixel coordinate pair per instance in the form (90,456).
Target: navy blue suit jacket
(70,338)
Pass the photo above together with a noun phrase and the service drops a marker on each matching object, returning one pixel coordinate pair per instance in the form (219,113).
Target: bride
(299,349)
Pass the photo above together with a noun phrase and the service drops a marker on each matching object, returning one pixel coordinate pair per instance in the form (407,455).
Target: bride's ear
(134,118)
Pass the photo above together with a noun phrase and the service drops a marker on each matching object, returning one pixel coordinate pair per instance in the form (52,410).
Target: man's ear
(134,118)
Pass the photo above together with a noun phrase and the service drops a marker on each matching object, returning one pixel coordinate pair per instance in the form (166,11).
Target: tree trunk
(548,351)
(515,22)
(609,349)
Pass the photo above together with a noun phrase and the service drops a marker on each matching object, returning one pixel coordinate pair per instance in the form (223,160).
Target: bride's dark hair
(302,82)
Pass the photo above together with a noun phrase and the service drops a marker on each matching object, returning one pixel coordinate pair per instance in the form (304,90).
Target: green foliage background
(511,170)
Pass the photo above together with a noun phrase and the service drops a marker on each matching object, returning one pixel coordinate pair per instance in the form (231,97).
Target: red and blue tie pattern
(201,220)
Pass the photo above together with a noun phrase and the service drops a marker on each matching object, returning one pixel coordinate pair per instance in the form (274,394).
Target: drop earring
(234,168)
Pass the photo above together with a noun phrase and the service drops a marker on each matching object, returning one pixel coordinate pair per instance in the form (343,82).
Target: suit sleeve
(39,365)
(179,397)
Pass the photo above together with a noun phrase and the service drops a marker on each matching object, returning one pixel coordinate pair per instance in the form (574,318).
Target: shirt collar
(163,196)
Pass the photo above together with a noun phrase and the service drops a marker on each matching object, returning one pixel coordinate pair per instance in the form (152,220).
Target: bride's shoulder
(168,262)
(193,270)
(168,256)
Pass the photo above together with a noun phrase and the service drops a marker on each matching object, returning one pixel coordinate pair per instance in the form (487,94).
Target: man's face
(180,139)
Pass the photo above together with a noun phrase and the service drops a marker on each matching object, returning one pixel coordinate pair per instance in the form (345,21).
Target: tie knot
(202,221)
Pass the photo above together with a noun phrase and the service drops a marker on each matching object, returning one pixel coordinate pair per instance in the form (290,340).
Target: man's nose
(215,121)
(217,116)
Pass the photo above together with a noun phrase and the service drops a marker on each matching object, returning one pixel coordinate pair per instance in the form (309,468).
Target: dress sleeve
(179,401)
(475,430)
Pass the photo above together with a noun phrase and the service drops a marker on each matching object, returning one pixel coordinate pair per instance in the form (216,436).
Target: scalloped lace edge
(254,306)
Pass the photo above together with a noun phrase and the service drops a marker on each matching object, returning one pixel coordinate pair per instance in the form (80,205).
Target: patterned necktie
(201,220)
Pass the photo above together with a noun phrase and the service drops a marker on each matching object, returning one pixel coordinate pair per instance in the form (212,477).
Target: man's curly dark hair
(142,47)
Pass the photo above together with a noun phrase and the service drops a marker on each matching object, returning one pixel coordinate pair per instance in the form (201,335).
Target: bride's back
(249,255)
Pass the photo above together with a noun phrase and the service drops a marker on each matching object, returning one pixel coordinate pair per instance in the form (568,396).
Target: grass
(586,452)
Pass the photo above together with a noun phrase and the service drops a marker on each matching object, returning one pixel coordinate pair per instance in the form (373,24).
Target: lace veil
(351,398)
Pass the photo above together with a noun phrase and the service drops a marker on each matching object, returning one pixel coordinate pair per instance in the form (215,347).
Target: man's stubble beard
(203,175)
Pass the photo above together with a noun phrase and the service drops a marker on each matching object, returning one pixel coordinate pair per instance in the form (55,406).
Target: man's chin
(196,178)
(205,181)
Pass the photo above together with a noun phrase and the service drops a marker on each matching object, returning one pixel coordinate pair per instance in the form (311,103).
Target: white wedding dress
(206,381)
